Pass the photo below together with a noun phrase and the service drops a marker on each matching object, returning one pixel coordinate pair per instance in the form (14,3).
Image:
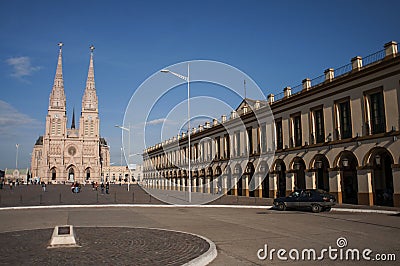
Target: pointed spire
(73,119)
(90,78)
(58,79)
(57,96)
(89,100)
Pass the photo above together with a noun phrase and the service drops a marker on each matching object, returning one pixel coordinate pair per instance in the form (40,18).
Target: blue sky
(276,43)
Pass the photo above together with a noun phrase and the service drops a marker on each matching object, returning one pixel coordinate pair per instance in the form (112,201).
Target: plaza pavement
(239,233)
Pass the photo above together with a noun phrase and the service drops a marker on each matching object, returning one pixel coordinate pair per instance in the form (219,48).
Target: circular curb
(203,259)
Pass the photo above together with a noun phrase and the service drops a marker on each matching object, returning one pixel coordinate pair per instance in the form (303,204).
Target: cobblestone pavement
(111,246)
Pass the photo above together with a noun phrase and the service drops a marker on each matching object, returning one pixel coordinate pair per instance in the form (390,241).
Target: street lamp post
(16,156)
(186,78)
(129,148)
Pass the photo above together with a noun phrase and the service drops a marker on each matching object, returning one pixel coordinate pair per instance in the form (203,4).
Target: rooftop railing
(338,72)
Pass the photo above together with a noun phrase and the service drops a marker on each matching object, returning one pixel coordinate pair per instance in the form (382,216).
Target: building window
(375,113)
(279,135)
(296,138)
(226,146)
(263,138)
(343,121)
(237,144)
(318,134)
(217,148)
(250,140)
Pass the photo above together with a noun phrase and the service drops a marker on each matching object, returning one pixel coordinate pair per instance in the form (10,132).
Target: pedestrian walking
(11,185)
(44,186)
(107,187)
(102,188)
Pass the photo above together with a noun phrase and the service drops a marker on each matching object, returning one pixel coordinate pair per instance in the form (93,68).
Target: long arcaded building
(338,132)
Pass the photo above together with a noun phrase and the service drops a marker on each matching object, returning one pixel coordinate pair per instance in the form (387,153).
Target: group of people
(76,187)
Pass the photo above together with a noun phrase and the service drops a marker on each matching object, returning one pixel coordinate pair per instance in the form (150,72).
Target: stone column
(183,184)
(207,185)
(273,184)
(365,193)
(201,185)
(178,184)
(289,182)
(310,179)
(194,185)
(234,188)
(335,187)
(396,185)
(224,184)
(259,187)
(245,185)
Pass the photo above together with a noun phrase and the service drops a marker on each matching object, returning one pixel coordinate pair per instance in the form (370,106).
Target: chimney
(390,49)
(356,63)
(233,114)
(306,84)
(271,98)
(329,74)
(223,118)
(287,92)
(245,108)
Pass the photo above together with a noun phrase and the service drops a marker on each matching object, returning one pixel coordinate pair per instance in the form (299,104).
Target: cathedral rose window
(72,150)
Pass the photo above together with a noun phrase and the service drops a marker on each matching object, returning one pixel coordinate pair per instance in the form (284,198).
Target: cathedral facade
(63,154)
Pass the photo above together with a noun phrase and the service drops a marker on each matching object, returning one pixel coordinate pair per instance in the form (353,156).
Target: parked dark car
(315,199)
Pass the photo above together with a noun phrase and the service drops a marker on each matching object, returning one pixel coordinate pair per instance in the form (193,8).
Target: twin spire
(57,96)
(58,79)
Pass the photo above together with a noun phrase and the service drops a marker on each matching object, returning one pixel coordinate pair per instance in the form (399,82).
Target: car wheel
(281,206)
(327,209)
(315,208)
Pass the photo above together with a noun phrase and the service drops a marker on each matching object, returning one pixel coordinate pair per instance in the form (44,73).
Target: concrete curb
(205,258)
(185,206)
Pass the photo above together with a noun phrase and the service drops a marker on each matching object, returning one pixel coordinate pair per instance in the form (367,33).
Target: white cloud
(22,66)
(160,121)
(11,119)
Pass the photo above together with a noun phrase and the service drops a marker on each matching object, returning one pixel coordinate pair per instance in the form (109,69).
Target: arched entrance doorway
(228,176)
(53,174)
(218,176)
(71,174)
(349,183)
(382,178)
(238,175)
(248,174)
(280,169)
(299,167)
(321,165)
(87,174)
(211,180)
(265,179)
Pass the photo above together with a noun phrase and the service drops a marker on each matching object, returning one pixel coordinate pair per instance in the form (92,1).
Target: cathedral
(63,154)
